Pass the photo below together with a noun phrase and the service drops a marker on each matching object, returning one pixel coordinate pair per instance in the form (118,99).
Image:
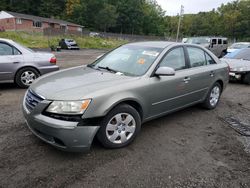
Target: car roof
(6,40)
(154,44)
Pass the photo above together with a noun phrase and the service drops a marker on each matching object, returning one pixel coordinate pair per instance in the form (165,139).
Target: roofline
(53,20)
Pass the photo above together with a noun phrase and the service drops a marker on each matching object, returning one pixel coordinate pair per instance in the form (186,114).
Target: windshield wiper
(108,69)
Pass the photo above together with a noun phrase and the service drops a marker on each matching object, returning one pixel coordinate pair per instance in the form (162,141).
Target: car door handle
(16,62)
(212,74)
(186,79)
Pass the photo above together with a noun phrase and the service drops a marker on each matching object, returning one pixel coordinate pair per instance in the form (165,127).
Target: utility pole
(179,23)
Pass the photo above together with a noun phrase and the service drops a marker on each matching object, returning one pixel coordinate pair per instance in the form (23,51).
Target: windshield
(240,45)
(239,54)
(129,60)
(198,40)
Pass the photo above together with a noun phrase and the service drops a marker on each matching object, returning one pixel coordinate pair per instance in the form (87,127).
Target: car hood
(237,64)
(77,83)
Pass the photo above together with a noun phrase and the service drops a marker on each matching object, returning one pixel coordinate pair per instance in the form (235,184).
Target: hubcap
(28,77)
(120,128)
(214,96)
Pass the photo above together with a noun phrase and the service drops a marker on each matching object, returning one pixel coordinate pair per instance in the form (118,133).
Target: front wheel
(213,97)
(119,127)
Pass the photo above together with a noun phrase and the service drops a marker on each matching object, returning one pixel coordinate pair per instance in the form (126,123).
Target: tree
(106,17)
(52,8)
(70,6)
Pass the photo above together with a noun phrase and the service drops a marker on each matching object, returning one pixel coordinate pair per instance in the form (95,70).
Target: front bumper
(64,135)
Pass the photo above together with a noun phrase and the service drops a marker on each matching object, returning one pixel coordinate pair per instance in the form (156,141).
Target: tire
(246,78)
(213,97)
(223,53)
(26,76)
(119,127)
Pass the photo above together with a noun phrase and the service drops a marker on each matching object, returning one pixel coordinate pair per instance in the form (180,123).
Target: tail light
(53,60)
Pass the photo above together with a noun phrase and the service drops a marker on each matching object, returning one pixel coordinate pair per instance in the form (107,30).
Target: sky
(172,7)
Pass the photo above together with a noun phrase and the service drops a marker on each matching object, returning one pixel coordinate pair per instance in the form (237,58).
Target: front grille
(32,99)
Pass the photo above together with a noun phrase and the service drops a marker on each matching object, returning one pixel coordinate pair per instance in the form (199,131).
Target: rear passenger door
(202,71)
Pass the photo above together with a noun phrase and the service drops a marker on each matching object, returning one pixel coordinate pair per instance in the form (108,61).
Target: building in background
(12,21)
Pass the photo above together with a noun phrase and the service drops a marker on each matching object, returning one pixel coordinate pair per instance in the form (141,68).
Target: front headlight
(68,107)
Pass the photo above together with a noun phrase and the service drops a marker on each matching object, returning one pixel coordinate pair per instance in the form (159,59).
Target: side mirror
(165,71)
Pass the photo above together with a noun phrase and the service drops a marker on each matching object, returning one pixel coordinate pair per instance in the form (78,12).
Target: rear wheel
(213,96)
(119,127)
(26,76)
(246,78)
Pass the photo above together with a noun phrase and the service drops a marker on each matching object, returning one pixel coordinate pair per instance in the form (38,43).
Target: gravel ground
(190,148)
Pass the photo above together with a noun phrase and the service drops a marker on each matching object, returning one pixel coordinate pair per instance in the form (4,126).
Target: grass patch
(38,40)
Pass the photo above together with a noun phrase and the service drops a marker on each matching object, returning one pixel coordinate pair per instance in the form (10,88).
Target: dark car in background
(68,44)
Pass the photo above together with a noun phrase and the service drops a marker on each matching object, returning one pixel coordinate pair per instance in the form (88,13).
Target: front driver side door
(169,93)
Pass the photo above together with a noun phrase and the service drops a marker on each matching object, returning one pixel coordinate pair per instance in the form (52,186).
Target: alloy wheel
(120,128)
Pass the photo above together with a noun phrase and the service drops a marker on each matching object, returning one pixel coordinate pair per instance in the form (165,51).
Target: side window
(5,49)
(214,41)
(196,57)
(174,59)
(209,59)
(219,41)
(224,41)
(16,51)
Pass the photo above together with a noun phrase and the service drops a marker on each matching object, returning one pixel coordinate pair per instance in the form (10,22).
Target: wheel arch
(221,84)
(132,102)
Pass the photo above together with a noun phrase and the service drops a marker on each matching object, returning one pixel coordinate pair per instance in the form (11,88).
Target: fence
(60,32)
(129,37)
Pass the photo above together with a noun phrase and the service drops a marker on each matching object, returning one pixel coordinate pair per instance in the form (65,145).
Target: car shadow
(8,86)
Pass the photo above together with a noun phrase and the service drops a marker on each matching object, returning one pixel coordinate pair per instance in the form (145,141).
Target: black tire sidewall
(246,78)
(20,72)
(122,108)
(207,103)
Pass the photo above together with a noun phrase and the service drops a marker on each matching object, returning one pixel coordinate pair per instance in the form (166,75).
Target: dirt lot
(190,148)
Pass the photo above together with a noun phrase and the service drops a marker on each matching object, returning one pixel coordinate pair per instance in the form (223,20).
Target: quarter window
(196,57)
(209,60)
(5,49)
(174,59)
